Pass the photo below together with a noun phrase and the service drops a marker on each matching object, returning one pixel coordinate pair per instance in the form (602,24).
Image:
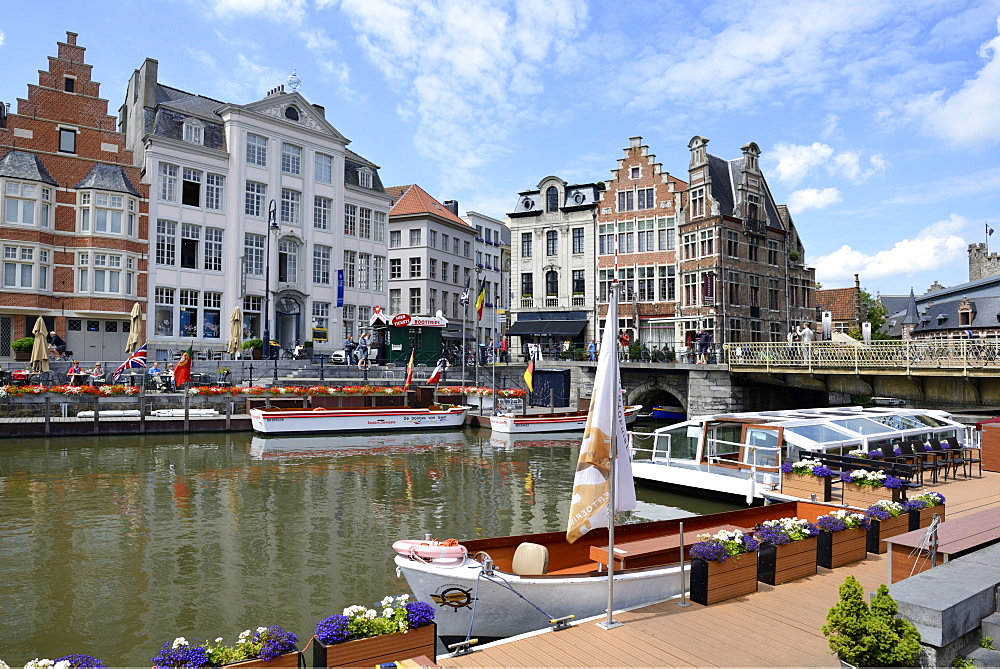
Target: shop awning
(552,328)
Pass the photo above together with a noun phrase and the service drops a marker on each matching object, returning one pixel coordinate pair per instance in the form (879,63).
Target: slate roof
(943,316)
(352,163)
(840,302)
(27,166)
(894,304)
(412,199)
(725,176)
(108,177)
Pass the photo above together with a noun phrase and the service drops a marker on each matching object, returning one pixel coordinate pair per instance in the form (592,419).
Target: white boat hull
(575,421)
(710,483)
(499,612)
(286,421)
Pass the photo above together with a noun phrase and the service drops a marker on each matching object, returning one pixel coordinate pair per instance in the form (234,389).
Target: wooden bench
(654,551)
(956,538)
(845,463)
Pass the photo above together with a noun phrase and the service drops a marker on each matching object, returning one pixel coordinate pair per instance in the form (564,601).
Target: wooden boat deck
(779,626)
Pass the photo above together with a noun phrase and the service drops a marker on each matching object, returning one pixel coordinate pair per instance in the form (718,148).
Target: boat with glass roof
(740,454)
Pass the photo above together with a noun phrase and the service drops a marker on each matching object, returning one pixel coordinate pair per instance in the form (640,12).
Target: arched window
(288,261)
(552,283)
(552,199)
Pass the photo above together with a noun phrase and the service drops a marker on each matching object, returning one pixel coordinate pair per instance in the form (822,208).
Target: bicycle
(651,355)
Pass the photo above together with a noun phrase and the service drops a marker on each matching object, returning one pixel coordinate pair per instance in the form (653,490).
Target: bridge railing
(958,354)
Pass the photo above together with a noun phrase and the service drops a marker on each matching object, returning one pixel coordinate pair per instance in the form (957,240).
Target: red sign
(401,320)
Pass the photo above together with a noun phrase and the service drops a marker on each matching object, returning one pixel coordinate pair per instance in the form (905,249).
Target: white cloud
(829,125)
(332,69)
(969,117)
(242,82)
(934,247)
(797,161)
(812,198)
(282,11)
(466,72)
(1,37)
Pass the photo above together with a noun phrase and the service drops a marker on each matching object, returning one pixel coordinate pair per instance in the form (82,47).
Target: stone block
(991,627)
(948,601)
(984,657)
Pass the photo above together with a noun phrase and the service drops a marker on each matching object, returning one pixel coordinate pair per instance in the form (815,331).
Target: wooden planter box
(713,582)
(835,549)
(806,485)
(862,498)
(294,659)
(377,649)
(883,529)
(387,400)
(781,564)
(922,517)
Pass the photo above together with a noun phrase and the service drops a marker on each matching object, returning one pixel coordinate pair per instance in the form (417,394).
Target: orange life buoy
(449,549)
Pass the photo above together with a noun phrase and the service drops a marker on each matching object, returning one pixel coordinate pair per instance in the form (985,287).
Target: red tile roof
(412,199)
(841,302)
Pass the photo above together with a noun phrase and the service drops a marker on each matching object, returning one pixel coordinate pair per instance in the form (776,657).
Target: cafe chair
(967,452)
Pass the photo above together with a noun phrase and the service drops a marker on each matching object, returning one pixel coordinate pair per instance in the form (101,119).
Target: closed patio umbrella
(235,333)
(134,330)
(40,349)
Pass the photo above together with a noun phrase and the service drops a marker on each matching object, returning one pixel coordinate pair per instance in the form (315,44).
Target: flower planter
(835,549)
(293,659)
(781,564)
(883,529)
(862,497)
(922,517)
(713,581)
(375,650)
(806,485)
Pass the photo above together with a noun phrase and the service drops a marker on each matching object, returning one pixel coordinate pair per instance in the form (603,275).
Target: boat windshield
(820,433)
(898,422)
(929,420)
(863,426)
(683,441)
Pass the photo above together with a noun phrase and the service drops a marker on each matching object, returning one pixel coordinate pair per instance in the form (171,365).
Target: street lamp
(272,224)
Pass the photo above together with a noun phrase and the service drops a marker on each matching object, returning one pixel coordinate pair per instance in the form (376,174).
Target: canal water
(112,546)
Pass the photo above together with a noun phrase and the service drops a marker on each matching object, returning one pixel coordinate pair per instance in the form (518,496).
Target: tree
(875,313)
(870,636)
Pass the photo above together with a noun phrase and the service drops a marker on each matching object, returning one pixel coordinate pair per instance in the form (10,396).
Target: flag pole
(611,623)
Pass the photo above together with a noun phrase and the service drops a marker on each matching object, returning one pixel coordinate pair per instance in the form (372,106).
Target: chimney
(320,109)
(71,38)
(452,206)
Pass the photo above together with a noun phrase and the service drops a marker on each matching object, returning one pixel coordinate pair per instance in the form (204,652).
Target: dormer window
(194,132)
(365,177)
(552,199)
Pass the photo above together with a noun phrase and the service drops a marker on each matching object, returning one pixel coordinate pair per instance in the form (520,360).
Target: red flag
(435,376)
(182,372)
(409,372)
(529,376)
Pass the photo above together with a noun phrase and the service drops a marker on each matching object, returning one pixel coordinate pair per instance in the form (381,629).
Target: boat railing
(754,459)
(659,451)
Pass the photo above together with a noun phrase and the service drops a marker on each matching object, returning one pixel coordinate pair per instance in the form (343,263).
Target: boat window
(897,422)
(681,444)
(819,432)
(862,426)
(766,441)
(928,420)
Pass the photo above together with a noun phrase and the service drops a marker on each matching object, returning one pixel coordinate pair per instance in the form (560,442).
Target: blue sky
(879,121)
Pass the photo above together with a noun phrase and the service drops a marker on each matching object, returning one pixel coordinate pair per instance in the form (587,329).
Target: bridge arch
(653,393)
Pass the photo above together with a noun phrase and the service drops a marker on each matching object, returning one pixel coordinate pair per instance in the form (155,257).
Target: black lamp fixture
(272,224)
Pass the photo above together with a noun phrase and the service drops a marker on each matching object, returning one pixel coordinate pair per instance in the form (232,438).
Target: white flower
(387,600)
(244,635)
(219,640)
(402,599)
(179,641)
(38,664)
(261,630)
(371,614)
(387,612)
(65,664)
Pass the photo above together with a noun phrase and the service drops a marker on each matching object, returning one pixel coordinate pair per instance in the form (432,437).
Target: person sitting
(155,375)
(97,376)
(168,377)
(73,371)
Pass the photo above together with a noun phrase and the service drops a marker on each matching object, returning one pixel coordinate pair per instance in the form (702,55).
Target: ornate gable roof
(302,113)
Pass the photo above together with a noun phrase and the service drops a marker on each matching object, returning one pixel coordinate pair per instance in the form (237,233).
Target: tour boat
(312,446)
(468,591)
(373,419)
(740,454)
(550,422)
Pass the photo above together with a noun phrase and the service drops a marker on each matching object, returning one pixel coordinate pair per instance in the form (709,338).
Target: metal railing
(958,354)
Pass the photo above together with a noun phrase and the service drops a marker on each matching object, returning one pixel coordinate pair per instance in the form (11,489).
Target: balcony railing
(551,302)
(527,303)
(755,226)
(579,301)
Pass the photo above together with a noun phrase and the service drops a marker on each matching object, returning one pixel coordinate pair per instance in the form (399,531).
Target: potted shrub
(723,566)
(22,348)
(255,346)
(863,488)
(922,509)
(870,635)
(886,519)
(843,538)
(264,647)
(787,550)
(806,478)
(363,636)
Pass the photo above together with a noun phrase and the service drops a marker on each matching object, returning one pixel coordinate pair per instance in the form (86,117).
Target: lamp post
(272,224)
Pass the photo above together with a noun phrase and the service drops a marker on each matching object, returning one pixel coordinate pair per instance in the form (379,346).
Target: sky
(878,120)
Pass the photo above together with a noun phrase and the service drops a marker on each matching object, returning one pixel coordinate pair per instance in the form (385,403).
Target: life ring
(449,549)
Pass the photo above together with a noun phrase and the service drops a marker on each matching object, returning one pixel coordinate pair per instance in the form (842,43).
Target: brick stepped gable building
(553,244)
(847,312)
(642,205)
(215,169)
(74,210)
(741,265)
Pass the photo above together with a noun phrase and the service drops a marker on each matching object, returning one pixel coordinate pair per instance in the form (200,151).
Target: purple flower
(876,512)
(823,470)
(897,451)
(333,630)
(277,642)
(191,655)
(419,614)
(786,467)
(914,504)
(830,524)
(81,661)
(875,453)
(768,534)
(749,543)
(846,477)
(892,483)
(709,550)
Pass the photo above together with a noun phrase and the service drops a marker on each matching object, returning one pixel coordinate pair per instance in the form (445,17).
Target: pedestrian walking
(592,350)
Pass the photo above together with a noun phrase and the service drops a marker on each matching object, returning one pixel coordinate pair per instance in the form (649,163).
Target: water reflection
(113,545)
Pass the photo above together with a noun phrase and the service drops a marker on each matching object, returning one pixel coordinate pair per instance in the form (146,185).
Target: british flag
(135,361)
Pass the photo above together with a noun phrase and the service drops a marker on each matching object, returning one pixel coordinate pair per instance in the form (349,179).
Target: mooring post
(142,410)
(97,411)
(48,415)
(187,412)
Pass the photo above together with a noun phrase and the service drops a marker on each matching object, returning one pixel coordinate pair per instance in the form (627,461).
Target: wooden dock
(779,626)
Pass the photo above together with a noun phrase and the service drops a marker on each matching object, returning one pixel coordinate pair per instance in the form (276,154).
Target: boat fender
(449,549)
(320,409)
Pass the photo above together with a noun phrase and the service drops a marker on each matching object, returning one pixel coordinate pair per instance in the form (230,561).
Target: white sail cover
(591,487)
